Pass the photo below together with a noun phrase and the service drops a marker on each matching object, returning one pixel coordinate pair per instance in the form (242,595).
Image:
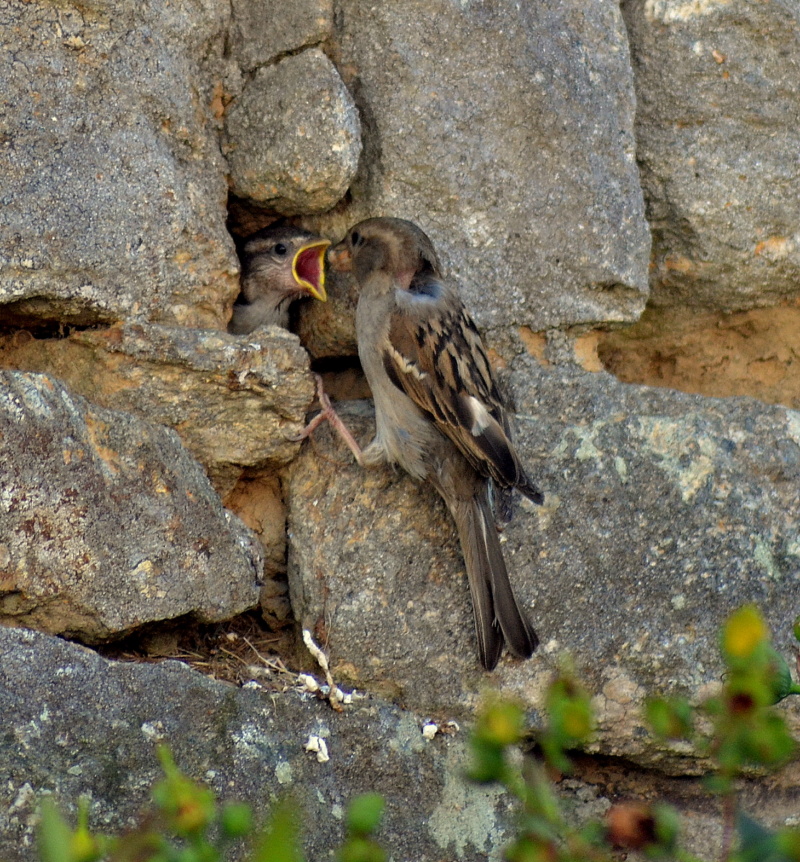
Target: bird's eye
(280,249)
(355,238)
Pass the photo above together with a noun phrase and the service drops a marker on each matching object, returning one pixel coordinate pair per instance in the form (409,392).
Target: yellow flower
(745,631)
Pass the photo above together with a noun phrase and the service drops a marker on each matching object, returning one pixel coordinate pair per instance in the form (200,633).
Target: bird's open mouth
(308,268)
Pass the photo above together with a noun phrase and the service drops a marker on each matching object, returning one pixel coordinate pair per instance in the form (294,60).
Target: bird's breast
(403,432)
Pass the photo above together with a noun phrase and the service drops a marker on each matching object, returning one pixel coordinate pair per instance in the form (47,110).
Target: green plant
(742,732)
(186,824)
(739,730)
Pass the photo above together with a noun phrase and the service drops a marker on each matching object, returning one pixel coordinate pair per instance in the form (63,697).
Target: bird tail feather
(498,617)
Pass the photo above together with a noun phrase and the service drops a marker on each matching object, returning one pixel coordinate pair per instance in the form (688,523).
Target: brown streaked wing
(440,363)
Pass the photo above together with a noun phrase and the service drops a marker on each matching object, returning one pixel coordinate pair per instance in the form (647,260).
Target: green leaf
(540,828)
(782,683)
(667,826)
(488,762)
(190,807)
(788,841)
(364,813)
(718,784)
(360,849)
(84,847)
(751,832)
(670,718)
(767,742)
(280,840)
(54,834)
(757,844)
(236,820)
(531,849)
(500,724)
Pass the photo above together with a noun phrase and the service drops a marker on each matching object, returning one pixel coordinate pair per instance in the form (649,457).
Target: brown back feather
(440,374)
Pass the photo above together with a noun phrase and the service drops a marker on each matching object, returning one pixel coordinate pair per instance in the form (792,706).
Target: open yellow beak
(308,268)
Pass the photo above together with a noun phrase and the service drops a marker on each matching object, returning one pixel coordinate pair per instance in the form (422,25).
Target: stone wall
(615,189)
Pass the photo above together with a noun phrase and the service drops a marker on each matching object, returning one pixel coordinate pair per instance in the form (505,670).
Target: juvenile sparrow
(279,265)
(438,412)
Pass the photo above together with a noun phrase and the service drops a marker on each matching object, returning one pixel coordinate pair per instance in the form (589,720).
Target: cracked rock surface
(106,522)
(663,512)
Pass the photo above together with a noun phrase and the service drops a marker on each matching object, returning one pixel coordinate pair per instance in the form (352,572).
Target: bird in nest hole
(280,264)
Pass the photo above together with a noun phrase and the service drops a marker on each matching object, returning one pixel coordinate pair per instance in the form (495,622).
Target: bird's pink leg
(327,412)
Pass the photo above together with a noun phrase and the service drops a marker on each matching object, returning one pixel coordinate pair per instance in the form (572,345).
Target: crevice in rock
(744,353)
(333,364)
(618,777)
(342,378)
(259,501)
(601,777)
(27,348)
(236,650)
(16,325)
(291,52)
(245,218)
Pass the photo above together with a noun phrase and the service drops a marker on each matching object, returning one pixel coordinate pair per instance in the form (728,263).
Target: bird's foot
(328,413)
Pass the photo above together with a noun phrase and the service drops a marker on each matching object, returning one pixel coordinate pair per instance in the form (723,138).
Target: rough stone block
(294,136)
(114,188)
(106,522)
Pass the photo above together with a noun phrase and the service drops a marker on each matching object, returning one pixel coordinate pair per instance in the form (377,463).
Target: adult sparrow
(279,265)
(438,412)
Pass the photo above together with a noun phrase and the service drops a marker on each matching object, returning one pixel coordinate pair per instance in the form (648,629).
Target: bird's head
(393,246)
(288,261)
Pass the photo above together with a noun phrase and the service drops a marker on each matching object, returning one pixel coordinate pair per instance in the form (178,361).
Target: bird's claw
(328,413)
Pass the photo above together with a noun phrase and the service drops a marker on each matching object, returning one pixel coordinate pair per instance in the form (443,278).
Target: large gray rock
(261,30)
(235,402)
(294,136)
(76,724)
(662,513)
(106,522)
(506,132)
(113,191)
(718,92)
(248,745)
